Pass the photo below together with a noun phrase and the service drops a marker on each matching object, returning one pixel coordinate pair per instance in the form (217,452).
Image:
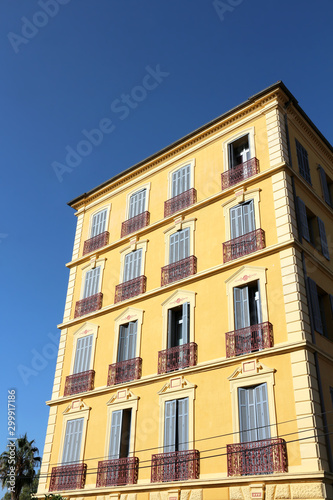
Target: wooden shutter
(127,341)
(181,181)
(174,248)
(185,324)
(241,307)
(262,412)
(83,354)
(91,285)
(98,223)
(132,332)
(316,317)
(323,239)
(72,441)
(331,304)
(303,220)
(122,343)
(170,426)
(303,161)
(184,243)
(324,185)
(236,223)
(170,327)
(115,434)
(132,266)
(182,424)
(137,203)
(248,223)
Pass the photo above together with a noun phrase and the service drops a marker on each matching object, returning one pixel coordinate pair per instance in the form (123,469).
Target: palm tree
(24,461)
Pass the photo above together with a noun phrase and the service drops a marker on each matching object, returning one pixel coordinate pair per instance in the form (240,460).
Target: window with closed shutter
(181,181)
(137,203)
(254,422)
(323,239)
(127,341)
(91,285)
(303,161)
(132,266)
(98,223)
(242,219)
(305,231)
(179,245)
(176,425)
(324,186)
(315,307)
(83,354)
(72,441)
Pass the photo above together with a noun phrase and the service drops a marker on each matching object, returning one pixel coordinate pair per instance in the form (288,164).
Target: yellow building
(196,350)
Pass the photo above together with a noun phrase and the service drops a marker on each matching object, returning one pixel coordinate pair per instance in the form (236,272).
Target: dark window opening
(239,151)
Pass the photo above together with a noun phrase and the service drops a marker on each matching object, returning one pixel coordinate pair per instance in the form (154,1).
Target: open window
(239,151)
(239,159)
(179,325)
(176,425)
(120,434)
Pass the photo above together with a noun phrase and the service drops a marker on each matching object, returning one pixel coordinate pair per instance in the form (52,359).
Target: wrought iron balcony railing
(178,270)
(243,245)
(239,173)
(249,339)
(117,472)
(135,223)
(179,202)
(96,242)
(88,305)
(257,457)
(175,466)
(177,358)
(130,288)
(68,477)
(79,382)
(124,371)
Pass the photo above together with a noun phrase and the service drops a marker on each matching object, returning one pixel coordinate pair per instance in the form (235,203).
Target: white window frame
(134,191)
(177,388)
(134,245)
(76,409)
(178,298)
(178,225)
(191,163)
(233,138)
(130,314)
(241,197)
(86,329)
(124,399)
(108,209)
(88,267)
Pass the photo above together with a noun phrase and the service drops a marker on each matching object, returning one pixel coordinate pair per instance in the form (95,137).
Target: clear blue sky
(71,73)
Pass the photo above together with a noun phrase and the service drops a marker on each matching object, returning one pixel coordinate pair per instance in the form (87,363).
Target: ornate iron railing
(179,202)
(243,245)
(257,457)
(135,223)
(130,288)
(88,305)
(68,477)
(177,358)
(249,339)
(239,173)
(124,371)
(117,472)
(175,466)
(178,270)
(96,242)
(79,382)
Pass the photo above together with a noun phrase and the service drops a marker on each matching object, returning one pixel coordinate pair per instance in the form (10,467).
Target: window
(181,193)
(176,425)
(253,413)
(303,161)
(132,266)
(181,181)
(239,151)
(98,224)
(322,310)
(99,236)
(331,391)
(120,434)
(179,325)
(179,245)
(91,283)
(137,203)
(72,442)
(182,262)
(127,341)
(242,219)
(83,354)
(247,305)
(91,296)
(326,185)
(313,229)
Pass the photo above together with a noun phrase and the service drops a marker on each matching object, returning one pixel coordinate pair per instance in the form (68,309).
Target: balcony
(175,466)
(135,223)
(257,457)
(79,382)
(249,339)
(178,270)
(124,371)
(239,173)
(243,245)
(179,202)
(130,289)
(96,242)
(177,358)
(68,477)
(88,305)
(118,472)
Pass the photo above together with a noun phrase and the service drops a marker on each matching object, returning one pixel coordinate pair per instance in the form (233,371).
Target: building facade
(196,350)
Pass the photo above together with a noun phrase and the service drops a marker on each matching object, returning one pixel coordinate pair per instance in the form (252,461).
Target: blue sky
(72,73)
